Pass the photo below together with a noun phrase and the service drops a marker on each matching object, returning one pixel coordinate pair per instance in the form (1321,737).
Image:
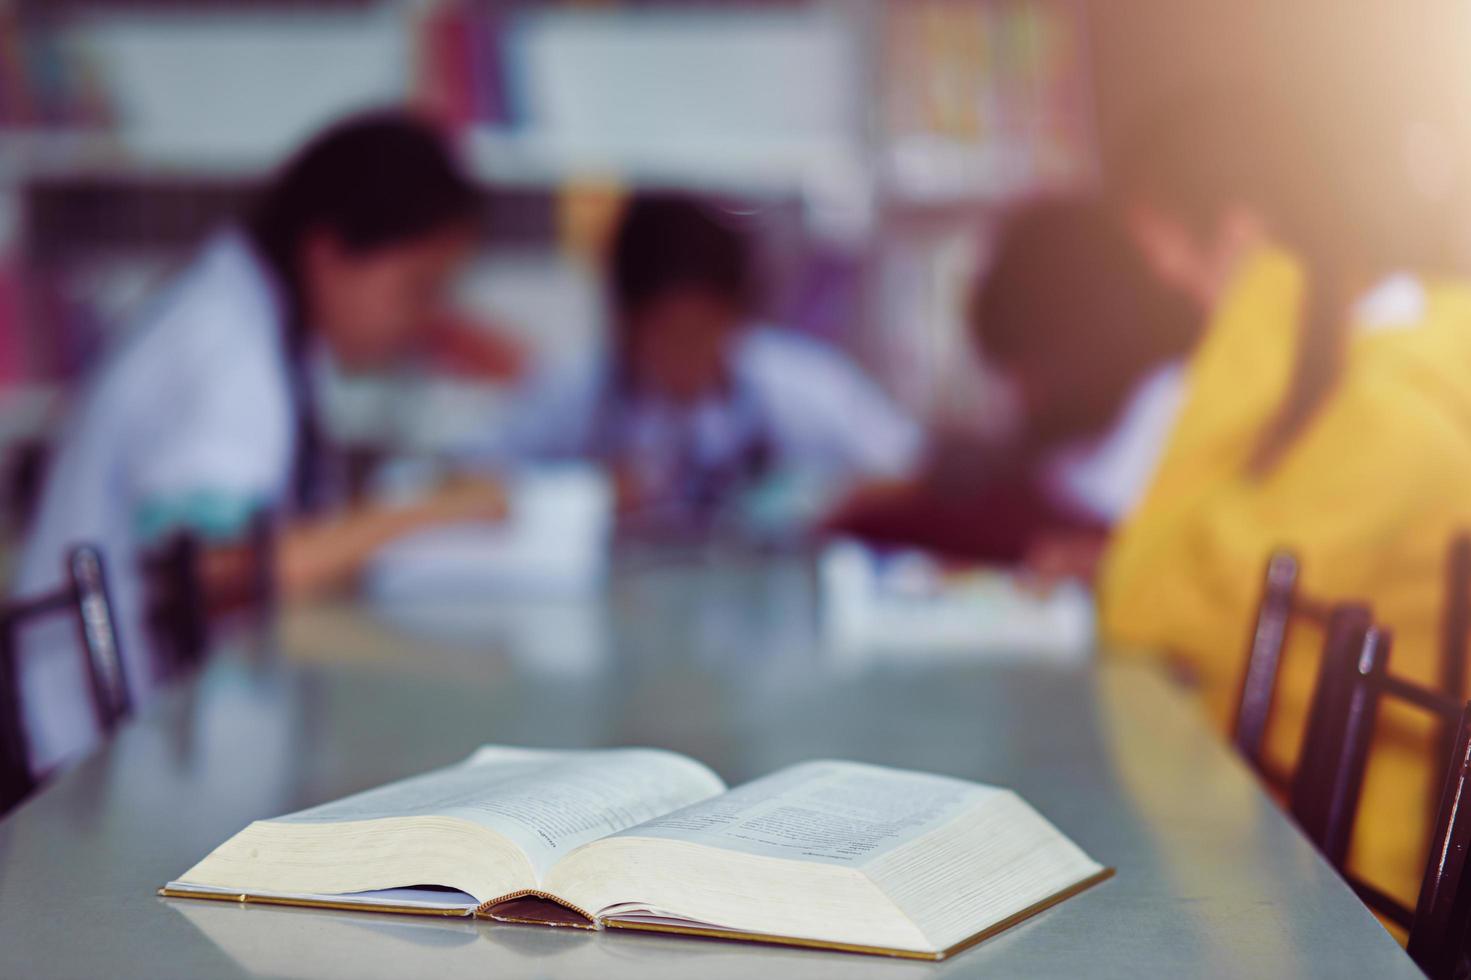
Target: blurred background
(875,155)
(874,145)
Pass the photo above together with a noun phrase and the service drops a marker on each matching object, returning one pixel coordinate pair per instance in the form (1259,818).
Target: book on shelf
(827,854)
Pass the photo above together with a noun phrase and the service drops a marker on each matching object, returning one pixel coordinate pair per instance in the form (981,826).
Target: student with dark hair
(1327,411)
(205,415)
(696,398)
(1093,347)
(1325,408)
(1089,347)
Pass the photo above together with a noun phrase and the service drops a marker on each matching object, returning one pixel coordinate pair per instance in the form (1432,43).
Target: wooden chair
(1326,787)
(1455,626)
(1326,791)
(191,586)
(1440,931)
(85,597)
(1281,608)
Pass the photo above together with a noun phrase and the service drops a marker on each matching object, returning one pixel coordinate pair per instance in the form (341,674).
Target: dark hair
(374,180)
(1324,192)
(1066,286)
(669,241)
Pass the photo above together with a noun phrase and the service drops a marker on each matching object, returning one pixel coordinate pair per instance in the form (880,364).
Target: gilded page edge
(964,944)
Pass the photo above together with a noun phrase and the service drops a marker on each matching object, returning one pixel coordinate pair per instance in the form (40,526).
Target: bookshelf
(883,137)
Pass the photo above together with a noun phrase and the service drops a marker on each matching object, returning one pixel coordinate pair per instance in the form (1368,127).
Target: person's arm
(324,554)
(215,452)
(484,351)
(827,413)
(1056,555)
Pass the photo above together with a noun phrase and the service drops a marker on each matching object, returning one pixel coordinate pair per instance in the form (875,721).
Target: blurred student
(1095,356)
(205,415)
(1329,412)
(1326,409)
(1094,373)
(696,399)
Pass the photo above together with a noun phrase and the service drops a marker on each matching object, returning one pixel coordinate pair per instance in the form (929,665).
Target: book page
(547,802)
(427,898)
(834,812)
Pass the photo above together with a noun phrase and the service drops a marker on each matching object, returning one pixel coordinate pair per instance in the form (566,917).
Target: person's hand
(630,491)
(1060,555)
(485,351)
(463,499)
(874,499)
(317,556)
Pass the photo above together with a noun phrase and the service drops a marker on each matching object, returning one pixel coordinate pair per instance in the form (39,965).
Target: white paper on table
(902,605)
(553,543)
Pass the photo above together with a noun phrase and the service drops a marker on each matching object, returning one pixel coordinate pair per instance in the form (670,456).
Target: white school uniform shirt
(194,410)
(1105,477)
(810,407)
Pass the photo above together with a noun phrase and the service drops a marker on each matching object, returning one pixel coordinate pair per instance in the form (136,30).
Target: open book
(836,855)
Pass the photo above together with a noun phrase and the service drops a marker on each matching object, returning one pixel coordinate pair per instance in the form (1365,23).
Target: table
(712,653)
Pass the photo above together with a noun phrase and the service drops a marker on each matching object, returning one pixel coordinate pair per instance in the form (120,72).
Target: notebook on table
(828,854)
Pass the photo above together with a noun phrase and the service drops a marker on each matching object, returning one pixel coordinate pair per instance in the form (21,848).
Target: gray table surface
(711,653)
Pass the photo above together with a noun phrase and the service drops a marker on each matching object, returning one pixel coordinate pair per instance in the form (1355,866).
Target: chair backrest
(1456,615)
(1352,682)
(85,597)
(1455,628)
(99,636)
(1441,928)
(1328,782)
(1282,605)
(191,584)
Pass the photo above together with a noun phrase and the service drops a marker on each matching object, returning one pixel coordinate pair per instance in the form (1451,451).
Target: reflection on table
(710,652)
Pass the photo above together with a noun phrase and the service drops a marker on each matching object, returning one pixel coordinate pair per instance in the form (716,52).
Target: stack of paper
(907,604)
(554,543)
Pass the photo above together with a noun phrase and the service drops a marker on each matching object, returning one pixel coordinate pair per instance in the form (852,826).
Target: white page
(546,801)
(439,899)
(834,812)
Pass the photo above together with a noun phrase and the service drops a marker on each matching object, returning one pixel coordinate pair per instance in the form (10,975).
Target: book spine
(536,907)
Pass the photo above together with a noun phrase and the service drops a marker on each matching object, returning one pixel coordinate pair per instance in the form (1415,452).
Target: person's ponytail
(1317,363)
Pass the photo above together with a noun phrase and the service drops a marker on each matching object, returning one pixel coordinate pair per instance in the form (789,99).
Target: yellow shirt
(1368,497)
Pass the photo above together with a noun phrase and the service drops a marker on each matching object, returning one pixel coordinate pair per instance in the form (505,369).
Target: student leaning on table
(1367,495)
(205,415)
(1326,409)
